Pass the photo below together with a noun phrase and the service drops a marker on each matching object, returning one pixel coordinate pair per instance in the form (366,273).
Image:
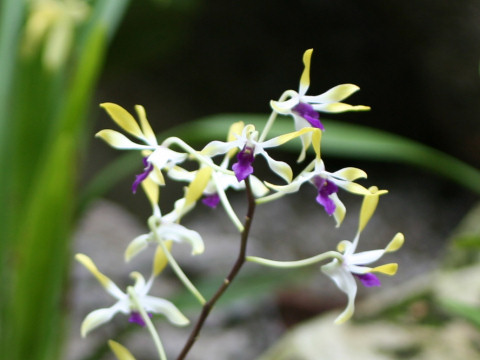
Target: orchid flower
(343,270)
(304,108)
(218,182)
(166,228)
(327,184)
(249,146)
(156,157)
(125,304)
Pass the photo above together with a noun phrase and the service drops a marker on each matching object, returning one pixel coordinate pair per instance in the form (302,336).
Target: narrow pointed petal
(339,107)
(352,187)
(346,283)
(284,107)
(340,210)
(369,205)
(350,173)
(234,132)
(387,269)
(152,191)
(280,168)
(160,260)
(258,188)
(305,78)
(98,317)
(366,257)
(90,265)
(396,243)
(123,119)
(146,128)
(197,186)
(119,141)
(180,233)
(217,147)
(282,139)
(136,246)
(165,307)
(120,351)
(333,95)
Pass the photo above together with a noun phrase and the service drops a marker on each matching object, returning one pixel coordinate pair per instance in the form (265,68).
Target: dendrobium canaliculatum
(156,156)
(304,108)
(208,180)
(343,270)
(326,183)
(125,304)
(249,145)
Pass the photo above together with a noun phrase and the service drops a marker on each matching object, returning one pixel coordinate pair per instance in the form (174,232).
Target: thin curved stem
(241,258)
(297,263)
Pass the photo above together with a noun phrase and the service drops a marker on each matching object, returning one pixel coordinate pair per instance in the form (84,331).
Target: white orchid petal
(180,233)
(340,210)
(217,147)
(346,283)
(258,188)
(119,141)
(335,94)
(99,317)
(280,168)
(136,246)
(339,107)
(284,107)
(365,257)
(140,286)
(180,174)
(165,307)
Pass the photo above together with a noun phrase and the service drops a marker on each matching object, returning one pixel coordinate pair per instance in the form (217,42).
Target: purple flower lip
(307,112)
(211,200)
(140,177)
(136,318)
(243,167)
(368,279)
(325,189)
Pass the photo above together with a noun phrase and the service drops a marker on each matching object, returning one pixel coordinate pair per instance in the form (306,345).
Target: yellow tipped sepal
(89,264)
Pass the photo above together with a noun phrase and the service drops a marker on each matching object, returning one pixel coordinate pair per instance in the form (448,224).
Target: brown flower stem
(208,306)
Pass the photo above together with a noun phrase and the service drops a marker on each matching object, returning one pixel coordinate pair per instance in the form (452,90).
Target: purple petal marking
(243,167)
(325,189)
(368,279)
(211,200)
(308,113)
(136,318)
(139,178)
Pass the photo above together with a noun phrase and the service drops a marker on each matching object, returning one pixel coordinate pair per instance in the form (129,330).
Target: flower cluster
(210,182)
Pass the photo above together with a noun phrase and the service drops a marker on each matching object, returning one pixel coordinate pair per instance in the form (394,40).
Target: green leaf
(468,312)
